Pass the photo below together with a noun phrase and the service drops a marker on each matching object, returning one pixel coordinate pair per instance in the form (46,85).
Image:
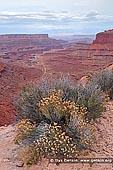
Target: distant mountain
(75,38)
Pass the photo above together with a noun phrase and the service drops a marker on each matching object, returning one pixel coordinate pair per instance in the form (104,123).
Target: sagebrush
(55,118)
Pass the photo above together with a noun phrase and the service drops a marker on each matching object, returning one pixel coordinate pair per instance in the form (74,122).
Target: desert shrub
(105,80)
(56,143)
(53,139)
(57,138)
(63,83)
(53,143)
(55,109)
(56,119)
(66,85)
(29,155)
(24,129)
(87,137)
(28,132)
(91,98)
(81,132)
(51,107)
(26,104)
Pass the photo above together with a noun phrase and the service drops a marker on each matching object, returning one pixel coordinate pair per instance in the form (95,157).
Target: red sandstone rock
(103,41)
(24,36)
(20,46)
(11,81)
(105,37)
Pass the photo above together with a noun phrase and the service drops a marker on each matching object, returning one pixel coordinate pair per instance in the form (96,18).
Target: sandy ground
(104,148)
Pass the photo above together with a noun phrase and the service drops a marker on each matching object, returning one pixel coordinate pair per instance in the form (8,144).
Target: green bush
(55,118)
(105,80)
(26,104)
(55,139)
(90,97)
(81,132)
(63,83)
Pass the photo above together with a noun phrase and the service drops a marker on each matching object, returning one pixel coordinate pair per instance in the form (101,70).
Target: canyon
(25,58)
(81,58)
(18,66)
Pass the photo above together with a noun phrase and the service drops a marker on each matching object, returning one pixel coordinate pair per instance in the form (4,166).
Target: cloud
(53,21)
(45,17)
(95,16)
(92,15)
(49,17)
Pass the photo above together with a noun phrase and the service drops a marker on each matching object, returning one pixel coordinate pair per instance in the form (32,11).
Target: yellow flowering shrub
(24,129)
(56,143)
(52,104)
(62,133)
(54,108)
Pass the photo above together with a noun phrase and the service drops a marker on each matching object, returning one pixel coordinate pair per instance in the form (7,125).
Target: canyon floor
(103,148)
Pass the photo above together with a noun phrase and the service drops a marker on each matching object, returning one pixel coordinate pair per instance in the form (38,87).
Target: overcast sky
(56,16)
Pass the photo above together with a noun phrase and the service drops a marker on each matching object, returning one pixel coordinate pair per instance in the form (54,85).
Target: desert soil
(104,148)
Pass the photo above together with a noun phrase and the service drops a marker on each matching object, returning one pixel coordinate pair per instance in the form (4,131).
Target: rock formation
(105,37)
(24,36)
(103,41)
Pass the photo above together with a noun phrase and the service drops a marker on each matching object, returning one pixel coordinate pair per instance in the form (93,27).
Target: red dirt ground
(76,61)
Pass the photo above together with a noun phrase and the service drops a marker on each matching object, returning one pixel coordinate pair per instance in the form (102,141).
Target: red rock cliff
(103,41)
(21,36)
(105,37)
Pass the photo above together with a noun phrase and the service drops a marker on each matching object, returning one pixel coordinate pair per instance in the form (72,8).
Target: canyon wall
(105,37)
(22,36)
(103,41)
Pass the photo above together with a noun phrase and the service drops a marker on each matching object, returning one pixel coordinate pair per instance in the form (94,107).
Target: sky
(62,17)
